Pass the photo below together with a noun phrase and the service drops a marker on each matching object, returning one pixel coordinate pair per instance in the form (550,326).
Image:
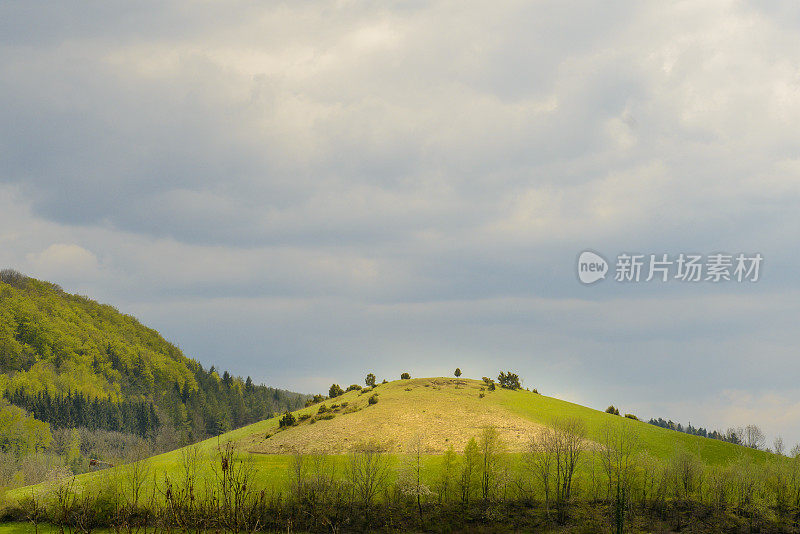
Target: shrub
(481,395)
(370,381)
(365,390)
(335,391)
(458,372)
(384,381)
(405,376)
(322,409)
(325,417)
(612,410)
(509,380)
(315,399)
(287,420)
(534,390)
(353,387)
(631,416)
(373,398)
(304,417)
(344,404)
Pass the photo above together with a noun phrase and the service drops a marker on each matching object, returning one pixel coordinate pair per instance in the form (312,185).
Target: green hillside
(443,412)
(71,362)
(411,442)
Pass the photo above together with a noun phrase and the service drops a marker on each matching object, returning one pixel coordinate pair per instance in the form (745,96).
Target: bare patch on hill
(442,411)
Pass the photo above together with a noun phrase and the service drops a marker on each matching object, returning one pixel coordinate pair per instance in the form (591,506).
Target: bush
(373,398)
(315,399)
(481,395)
(322,409)
(335,391)
(631,416)
(370,381)
(353,387)
(612,410)
(304,417)
(509,380)
(458,372)
(287,420)
(384,381)
(405,376)
(325,417)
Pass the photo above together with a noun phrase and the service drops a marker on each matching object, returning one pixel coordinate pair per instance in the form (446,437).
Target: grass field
(444,412)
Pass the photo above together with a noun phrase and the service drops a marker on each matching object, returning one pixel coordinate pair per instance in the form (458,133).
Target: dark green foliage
(458,372)
(373,399)
(287,420)
(370,380)
(322,409)
(612,410)
(405,376)
(353,387)
(509,380)
(334,391)
(76,410)
(631,416)
(731,436)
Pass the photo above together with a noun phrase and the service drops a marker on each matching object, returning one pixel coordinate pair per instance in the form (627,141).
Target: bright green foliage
(21,434)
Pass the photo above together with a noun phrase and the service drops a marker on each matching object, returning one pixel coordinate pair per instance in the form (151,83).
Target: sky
(308,191)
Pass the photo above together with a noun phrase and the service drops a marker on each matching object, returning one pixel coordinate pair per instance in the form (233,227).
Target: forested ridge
(74,363)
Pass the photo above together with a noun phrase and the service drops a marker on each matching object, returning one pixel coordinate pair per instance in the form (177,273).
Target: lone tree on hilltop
(335,391)
(509,380)
(405,376)
(370,381)
(458,372)
(613,410)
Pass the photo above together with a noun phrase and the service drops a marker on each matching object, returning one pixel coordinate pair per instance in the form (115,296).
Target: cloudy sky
(307,191)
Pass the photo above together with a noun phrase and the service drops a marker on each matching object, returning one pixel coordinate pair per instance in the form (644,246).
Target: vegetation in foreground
(577,470)
(562,482)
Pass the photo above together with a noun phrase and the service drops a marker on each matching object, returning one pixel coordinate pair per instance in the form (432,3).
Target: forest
(74,372)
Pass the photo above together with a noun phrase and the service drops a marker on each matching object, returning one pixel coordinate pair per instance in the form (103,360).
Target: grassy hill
(444,412)
(304,473)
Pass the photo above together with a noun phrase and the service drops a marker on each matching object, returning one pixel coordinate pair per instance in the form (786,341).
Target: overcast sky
(307,191)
